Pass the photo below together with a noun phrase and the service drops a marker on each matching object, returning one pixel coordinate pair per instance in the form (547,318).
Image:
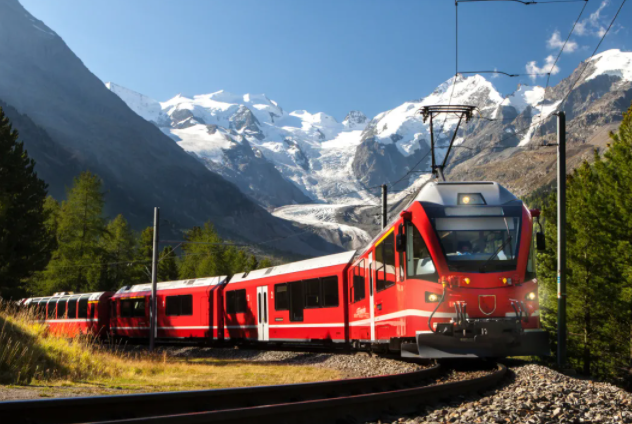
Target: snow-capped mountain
(285,158)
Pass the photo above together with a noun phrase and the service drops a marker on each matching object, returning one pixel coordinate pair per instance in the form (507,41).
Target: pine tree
(599,261)
(25,245)
(205,256)
(119,245)
(168,266)
(77,263)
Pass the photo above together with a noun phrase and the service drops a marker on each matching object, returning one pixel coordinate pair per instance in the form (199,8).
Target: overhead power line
(593,54)
(526,3)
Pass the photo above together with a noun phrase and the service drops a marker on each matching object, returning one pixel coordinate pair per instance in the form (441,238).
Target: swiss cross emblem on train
(487,303)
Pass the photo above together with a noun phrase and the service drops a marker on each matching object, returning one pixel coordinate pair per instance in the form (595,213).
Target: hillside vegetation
(599,261)
(30,355)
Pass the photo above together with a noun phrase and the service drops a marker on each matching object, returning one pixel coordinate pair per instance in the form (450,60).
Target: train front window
(479,244)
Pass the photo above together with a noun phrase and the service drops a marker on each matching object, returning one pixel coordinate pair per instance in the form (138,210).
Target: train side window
(385,263)
(41,309)
(359,282)
(93,310)
(179,305)
(236,301)
(330,291)
(186,305)
(61,308)
(139,307)
(83,308)
(240,301)
(281,297)
(312,293)
(52,308)
(296,301)
(230,302)
(173,306)
(126,308)
(419,263)
(72,309)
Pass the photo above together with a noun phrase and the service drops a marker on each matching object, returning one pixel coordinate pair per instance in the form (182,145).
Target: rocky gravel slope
(533,394)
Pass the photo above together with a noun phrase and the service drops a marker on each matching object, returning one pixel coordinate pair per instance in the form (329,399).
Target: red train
(452,276)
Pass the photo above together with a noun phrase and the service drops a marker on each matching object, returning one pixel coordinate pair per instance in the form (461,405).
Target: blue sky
(328,56)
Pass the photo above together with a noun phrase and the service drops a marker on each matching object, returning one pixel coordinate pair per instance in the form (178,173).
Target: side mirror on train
(540,242)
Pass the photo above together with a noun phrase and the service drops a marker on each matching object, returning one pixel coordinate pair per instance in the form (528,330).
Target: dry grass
(30,355)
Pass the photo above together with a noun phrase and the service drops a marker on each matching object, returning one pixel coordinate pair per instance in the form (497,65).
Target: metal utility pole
(561,239)
(153,309)
(384,206)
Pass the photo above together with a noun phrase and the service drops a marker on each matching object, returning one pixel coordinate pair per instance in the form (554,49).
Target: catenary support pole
(153,309)
(561,239)
(384,206)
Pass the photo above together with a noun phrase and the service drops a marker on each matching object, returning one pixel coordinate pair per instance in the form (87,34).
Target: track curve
(350,400)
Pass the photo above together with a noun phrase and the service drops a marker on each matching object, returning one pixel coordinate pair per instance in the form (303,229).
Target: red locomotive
(452,276)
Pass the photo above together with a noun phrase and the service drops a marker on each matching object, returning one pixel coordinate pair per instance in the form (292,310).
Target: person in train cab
(464,248)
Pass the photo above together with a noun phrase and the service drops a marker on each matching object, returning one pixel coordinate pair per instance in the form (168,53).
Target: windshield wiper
(502,246)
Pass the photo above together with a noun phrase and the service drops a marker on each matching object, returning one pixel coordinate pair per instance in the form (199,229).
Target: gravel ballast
(533,394)
(350,365)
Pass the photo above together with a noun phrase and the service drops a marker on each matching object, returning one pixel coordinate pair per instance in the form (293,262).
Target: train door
(263,329)
(371,298)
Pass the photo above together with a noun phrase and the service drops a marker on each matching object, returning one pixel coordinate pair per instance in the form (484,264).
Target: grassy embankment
(30,356)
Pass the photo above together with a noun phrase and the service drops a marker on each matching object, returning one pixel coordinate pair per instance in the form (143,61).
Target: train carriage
(69,315)
(186,309)
(298,302)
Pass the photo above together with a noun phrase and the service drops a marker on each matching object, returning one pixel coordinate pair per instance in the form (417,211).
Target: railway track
(352,400)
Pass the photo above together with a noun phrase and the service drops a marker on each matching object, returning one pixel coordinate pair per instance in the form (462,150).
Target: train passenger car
(186,309)
(69,315)
(452,276)
(297,302)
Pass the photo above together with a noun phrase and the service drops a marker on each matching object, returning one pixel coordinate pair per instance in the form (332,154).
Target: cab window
(385,263)
(418,261)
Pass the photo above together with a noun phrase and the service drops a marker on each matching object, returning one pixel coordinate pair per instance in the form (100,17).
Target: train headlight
(531,296)
(432,297)
(469,199)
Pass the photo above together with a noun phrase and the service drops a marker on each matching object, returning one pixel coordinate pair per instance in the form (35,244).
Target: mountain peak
(355,119)
(612,62)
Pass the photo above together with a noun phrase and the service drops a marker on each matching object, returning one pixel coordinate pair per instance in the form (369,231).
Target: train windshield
(479,244)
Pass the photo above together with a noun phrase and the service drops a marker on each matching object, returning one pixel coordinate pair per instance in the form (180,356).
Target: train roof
(446,193)
(170,285)
(66,296)
(306,265)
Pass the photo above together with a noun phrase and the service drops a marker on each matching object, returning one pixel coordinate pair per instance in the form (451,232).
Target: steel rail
(352,409)
(118,407)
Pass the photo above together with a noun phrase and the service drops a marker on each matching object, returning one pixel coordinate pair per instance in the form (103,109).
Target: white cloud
(555,42)
(594,24)
(533,68)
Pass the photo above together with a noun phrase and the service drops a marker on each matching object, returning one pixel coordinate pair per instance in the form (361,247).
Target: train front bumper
(479,338)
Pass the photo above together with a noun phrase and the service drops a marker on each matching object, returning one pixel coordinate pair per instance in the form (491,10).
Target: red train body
(452,275)
(69,315)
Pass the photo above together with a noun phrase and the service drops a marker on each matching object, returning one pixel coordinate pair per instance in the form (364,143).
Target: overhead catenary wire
(593,54)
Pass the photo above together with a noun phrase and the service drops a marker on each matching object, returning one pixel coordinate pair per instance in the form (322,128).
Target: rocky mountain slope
(323,174)
(91,128)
